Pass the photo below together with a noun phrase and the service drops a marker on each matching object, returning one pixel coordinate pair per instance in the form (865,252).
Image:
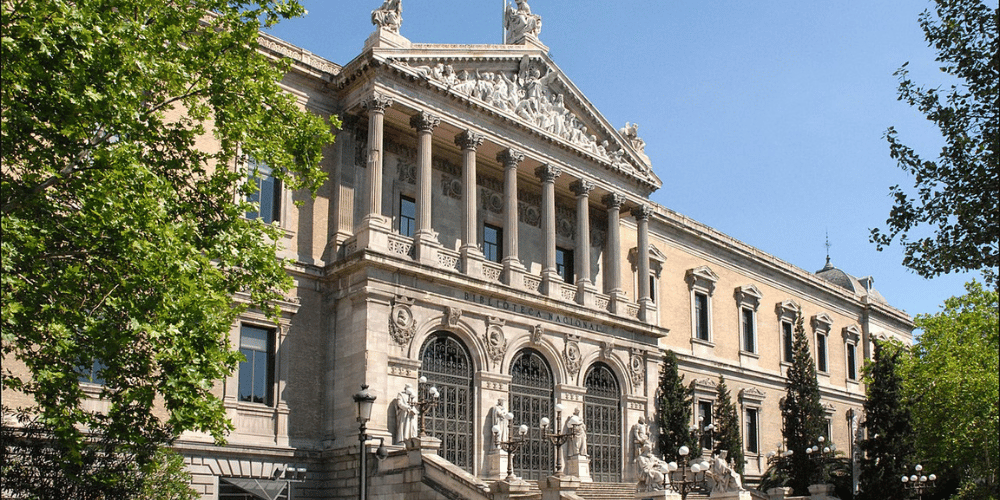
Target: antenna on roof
(828,247)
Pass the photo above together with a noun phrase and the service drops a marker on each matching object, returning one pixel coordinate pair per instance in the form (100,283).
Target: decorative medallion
(451,186)
(572,355)
(536,333)
(451,316)
(637,368)
(491,200)
(496,343)
(529,214)
(402,325)
(406,171)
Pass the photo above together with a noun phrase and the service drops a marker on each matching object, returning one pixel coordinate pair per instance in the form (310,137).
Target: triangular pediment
(524,86)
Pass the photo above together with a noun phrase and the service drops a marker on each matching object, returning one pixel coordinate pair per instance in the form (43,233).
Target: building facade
(485,231)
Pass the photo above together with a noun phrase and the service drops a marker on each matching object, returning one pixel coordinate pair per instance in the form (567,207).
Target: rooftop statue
(520,23)
(389,16)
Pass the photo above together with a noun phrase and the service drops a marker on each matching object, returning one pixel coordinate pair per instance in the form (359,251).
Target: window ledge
(749,354)
(695,340)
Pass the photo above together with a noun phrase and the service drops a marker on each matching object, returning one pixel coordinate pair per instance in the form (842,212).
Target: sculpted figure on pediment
(631,133)
(389,16)
(520,22)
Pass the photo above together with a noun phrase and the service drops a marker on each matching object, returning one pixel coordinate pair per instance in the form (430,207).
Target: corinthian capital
(642,212)
(377,103)
(547,173)
(469,140)
(424,121)
(510,157)
(581,187)
(613,200)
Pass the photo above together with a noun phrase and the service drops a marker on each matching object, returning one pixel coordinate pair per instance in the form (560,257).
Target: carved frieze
(402,325)
(451,186)
(491,200)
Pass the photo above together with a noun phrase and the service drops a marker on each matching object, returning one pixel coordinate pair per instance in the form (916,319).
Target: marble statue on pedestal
(520,22)
(654,474)
(498,417)
(725,479)
(406,414)
(389,16)
(578,441)
(640,438)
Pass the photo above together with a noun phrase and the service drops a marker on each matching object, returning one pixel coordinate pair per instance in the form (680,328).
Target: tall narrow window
(652,286)
(753,445)
(266,195)
(257,372)
(492,242)
(704,420)
(749,330)
(407,216)
(821,361)
(852,367)
(564,264)
(701,316)
(786,340)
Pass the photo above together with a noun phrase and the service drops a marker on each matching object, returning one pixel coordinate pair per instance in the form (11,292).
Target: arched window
(532,395)
(447,365)
(603,415)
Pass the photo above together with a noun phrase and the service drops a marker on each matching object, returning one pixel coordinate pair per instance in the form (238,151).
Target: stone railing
(492,271)
(401,245)
(449,260)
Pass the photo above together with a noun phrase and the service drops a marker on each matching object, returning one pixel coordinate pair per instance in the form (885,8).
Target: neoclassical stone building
(487,232)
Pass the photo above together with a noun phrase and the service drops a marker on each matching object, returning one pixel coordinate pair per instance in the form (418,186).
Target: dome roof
(855,285)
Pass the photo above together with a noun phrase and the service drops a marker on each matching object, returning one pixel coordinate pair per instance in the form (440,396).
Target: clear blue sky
(764,120)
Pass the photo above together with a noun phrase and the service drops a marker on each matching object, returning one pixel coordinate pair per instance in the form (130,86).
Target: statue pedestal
(579,466)
(504,490)
(731,495)
(496,465)
(657,495)
(553,486)
(822,492)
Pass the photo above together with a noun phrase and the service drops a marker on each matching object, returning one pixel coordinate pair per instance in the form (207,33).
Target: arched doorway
(532,395)
(603,416)
(446,363)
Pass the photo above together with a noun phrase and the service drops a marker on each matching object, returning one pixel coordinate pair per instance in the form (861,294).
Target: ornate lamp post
(511,445)
(427,404)
(365,400)
(558,439)
(685,485)
(918,483)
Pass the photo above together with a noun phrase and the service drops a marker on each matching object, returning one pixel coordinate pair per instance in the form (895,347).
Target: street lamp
(511,445)
(918,483)
(427,404)
(685,485)
(365,400)
(558,439)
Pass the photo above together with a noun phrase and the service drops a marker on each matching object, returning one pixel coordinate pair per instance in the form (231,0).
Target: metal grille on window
(532,397)
(603,416)
(447,365)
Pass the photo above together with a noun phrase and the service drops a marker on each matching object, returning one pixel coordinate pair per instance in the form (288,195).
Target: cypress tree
(727,427)
(889,446)
(673,409)
(802,415)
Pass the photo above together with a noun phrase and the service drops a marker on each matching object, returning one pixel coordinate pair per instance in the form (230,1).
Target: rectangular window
(407,216)
(652,288)
(821,361)
(266,195)
(705,419)
(564,264)
(749,330)
(492,243)
(92,373)
(701,315)
(852,367)
(257,372)
(786,334)
(752,441)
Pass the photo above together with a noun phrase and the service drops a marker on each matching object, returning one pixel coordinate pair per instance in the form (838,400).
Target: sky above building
(764,120)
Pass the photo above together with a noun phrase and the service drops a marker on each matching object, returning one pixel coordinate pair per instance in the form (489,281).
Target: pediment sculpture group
(654,473)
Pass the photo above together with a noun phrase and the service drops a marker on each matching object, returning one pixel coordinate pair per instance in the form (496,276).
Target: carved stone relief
(572,356)
(496,342)
(536,333)
(566,222)
(451,186)
(402,325)
(637,368)
(451,316)
(491,200)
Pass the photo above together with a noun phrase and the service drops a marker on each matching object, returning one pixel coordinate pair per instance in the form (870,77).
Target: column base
(647,311)
(472,261)
(511,487)
(586,293)
(513,272)
(552,284)
(373,234)
(617,302)
(579,466)
(427,245)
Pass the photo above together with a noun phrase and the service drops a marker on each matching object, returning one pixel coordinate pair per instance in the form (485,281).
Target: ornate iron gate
(532,392)
(603,416)
(447,365)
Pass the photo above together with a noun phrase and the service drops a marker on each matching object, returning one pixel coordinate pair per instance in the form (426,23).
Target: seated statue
(389,16)
(724,478)
(654,474)
(520,22)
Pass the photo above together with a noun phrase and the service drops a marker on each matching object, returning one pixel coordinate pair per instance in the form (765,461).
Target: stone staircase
(619,491)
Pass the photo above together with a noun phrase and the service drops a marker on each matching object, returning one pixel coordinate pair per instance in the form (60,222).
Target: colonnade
(426,239)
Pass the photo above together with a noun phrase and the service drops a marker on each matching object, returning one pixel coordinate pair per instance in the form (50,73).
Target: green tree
(124,125)
(801,414)
(673,410)
(888,449)
(957,194)
(727,427)
(952,379)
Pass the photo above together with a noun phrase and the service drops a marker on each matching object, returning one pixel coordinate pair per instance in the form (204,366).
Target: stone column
(512,267)
(374,230)
(584,286)
(551,281)
(425,238)
(472,256)
(613,254)
(641,214)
